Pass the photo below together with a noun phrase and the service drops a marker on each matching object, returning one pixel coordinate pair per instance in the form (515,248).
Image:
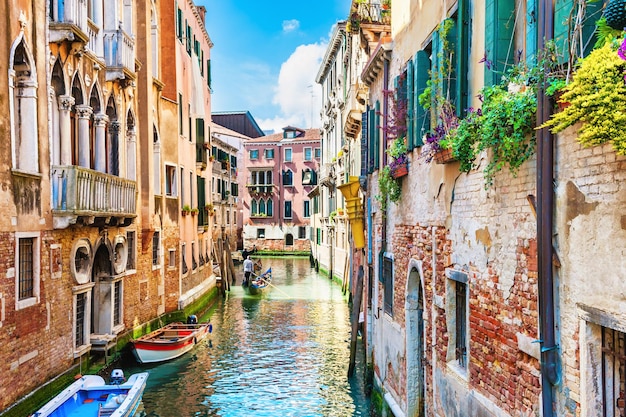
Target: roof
(239,121)
(304,135)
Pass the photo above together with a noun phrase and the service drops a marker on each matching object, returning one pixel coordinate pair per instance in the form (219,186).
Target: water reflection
(284,353)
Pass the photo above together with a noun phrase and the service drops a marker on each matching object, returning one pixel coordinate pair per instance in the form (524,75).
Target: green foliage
(605,33)
(389,188)
(397,148)
(504,126)
(597,97)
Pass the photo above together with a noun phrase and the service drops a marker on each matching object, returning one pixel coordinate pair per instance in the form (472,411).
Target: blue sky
(266,56)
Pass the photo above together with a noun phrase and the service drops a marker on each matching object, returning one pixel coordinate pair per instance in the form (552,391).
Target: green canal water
(283,353)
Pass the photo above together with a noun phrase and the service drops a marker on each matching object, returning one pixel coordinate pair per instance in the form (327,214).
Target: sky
(266,56)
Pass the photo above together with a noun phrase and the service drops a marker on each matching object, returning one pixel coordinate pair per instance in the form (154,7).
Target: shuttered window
(421,118)
(499,25)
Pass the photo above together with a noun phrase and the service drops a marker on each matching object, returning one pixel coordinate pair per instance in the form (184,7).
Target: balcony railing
(68,20)
(371,11)
(119,54)
(260,188)
(81,191)
(201,156)
(94,45)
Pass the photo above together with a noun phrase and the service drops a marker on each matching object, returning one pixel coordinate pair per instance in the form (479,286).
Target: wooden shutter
(411,99)
(421,122)
(562,11)
(499,25)
(462,57)
(532,9)
(377,136)
(364,143)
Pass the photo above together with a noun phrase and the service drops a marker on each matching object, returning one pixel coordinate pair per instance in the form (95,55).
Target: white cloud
(297,94)
(290,25)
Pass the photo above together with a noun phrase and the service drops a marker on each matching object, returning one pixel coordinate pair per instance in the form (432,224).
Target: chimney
(202,13)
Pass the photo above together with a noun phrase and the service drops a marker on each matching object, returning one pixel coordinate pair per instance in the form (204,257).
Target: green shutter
(462,55)
(410,98)
(199,130)
(208,73)
(562,11)
(371,140)
(421,123)
(532,9)
(377,136)
(593,12)
(499,25)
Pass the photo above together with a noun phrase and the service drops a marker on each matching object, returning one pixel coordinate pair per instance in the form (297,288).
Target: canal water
(283,353)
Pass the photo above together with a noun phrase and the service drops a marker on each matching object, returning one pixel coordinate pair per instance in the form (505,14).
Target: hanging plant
(597,97)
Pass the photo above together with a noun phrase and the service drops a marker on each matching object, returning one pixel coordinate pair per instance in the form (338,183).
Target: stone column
(100,122)
(65,128)
(114,155)
(84,135)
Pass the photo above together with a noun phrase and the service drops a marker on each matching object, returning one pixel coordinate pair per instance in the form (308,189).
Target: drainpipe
(545,209)
(385,115)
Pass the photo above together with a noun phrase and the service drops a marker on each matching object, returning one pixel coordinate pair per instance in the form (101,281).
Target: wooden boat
(89,396)
(170,341)
(258,283)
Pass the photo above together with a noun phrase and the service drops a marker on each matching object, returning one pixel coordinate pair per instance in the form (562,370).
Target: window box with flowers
(185,210)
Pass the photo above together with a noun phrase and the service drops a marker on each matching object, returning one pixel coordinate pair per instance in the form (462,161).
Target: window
(288,239)
(461,325)
(180,114)
(307,208)
(288,155)
(387,277)
(254,208)
(27,273)
(156,241)
(131,241)
(288,213)
(270,207)
(260,233)
(269,153)
(117,303)
(194,262)
(170,181)
(262,207)
(81,302)
(613,372)
(288,177)
(318,153)
(302,232)
(254,154)
(179,25)
(172,258)
(309,177)
(183,257)
(307,154)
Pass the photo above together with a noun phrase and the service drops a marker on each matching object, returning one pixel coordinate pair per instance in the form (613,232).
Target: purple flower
(621,52)
(486,61)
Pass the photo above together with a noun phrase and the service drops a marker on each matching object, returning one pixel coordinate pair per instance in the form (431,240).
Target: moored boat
(90,396)
(169,342)
(259,283)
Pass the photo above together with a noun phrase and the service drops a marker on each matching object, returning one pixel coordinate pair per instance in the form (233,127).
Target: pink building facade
(281,170)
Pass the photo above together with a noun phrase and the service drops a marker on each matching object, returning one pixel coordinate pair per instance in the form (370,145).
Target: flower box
(444,156)
(399,171)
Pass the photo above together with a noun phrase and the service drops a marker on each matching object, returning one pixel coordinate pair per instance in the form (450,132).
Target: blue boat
(90,396)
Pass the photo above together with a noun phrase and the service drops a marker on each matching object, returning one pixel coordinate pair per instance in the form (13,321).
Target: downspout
(545,209)
(383,248)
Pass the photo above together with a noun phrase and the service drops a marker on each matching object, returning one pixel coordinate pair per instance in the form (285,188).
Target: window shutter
(377,136)
(421,122)
(371,140)
(364,149)
(410,104)
(593,13)
(532,9)
(199,130)
(462,57)
(562,11)
(499,23)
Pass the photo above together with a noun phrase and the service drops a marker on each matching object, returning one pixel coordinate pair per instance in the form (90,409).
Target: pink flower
(621,52)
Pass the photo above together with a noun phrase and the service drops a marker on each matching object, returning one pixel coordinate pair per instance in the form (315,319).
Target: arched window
(131,147)
(288,239)
(113,138)
(77,95)
(60,106)
(156,153)
(262,206)
(253,208)
(97,129)
(23,107)
(270,207)
(287,177)
(154,32)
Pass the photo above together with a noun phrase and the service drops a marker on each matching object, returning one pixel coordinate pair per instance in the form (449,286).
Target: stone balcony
(82,195)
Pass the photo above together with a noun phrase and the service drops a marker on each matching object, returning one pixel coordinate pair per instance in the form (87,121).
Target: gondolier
(248,265)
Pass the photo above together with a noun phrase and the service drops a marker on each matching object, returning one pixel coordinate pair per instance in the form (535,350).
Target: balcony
(91,196)
(201,156)
(68,21)
(327,175)
(357,96)
(254,189)
(370,12)
(119,55)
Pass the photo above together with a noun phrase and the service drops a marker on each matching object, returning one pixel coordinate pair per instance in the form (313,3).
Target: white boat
(90,396)
(169,342)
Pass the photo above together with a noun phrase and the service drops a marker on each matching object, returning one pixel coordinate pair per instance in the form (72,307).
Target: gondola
(259,283)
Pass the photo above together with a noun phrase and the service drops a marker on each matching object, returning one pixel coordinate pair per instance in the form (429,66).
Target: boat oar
(269,283)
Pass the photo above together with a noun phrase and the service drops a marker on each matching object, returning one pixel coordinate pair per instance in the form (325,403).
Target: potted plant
(597,97)
(185,210)
(194,211)
(400,162)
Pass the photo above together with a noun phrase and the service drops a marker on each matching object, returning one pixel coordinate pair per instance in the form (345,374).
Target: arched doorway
(288,239)
(415,341)
(106,293)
